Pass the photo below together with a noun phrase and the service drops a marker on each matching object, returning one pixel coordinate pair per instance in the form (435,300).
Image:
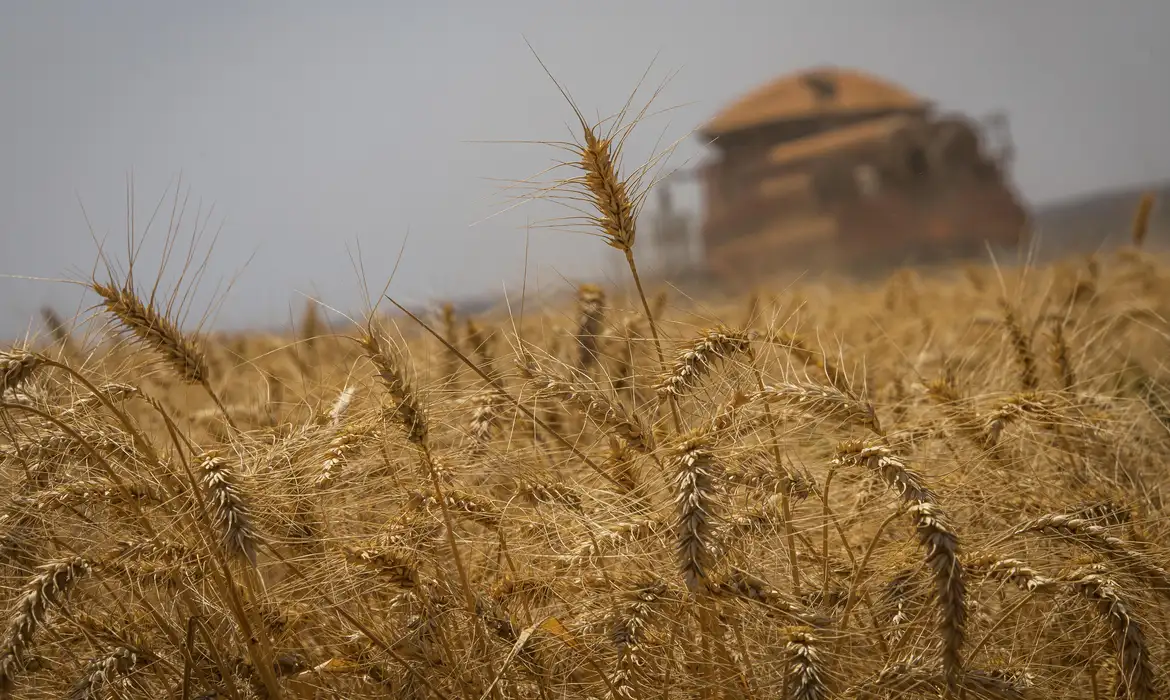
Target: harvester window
(916,162)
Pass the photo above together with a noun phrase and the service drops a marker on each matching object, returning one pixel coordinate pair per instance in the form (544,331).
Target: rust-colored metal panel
(811,93)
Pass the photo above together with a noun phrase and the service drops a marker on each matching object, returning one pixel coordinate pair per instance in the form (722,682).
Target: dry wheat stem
(608,414)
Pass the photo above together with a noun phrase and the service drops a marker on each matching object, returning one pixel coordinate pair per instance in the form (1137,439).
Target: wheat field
(935,485)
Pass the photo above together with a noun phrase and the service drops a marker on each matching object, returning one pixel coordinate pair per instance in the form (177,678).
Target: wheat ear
(229,508)
(16,368)
(616,216)
(824,402)
(1013,571)
(628,635)
(590,316)
(1062,356)
(699,358)
(1136,679)
(345,444)
(341,406)
(1141,219)
(51,584)
(1098,539)
(936,536)
(157,331)
(694,485)
(804,666)
(484,417)
(104,670)
(1022,345)
(390,371)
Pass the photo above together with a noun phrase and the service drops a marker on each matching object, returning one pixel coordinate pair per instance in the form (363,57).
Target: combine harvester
(836,169)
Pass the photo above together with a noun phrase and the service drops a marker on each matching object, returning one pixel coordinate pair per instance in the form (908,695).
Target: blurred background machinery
(836,168)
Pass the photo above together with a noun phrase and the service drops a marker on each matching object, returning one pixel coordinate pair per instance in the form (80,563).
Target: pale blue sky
(312,126)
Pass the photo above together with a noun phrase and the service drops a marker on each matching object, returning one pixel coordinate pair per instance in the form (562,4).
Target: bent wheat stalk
(935,535)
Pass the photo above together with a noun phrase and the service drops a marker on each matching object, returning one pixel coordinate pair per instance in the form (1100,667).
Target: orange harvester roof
(809,94)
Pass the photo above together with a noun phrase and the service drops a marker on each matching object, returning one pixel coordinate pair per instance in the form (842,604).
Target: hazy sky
(317,126)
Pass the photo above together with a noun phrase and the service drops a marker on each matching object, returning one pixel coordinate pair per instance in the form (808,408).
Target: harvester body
(835,168)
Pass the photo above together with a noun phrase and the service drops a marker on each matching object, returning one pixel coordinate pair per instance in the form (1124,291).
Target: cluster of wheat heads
(943,487)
